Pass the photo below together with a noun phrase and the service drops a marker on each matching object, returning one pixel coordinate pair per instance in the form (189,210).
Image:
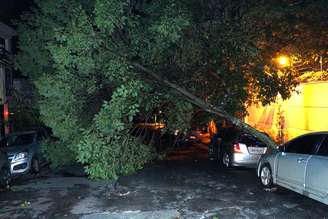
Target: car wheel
(35,166)
(266,176)
(225,159)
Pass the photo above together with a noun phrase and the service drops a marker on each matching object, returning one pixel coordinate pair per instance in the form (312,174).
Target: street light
(283,60)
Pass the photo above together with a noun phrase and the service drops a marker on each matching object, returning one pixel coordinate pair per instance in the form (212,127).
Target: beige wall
(306,111)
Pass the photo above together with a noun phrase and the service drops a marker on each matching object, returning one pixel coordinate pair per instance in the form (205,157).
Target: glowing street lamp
(283,60)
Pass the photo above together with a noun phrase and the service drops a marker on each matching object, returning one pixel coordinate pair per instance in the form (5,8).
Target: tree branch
(208,107)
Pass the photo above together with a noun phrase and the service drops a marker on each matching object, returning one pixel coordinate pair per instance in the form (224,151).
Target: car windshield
(22,139)
(229,134)
(247,139)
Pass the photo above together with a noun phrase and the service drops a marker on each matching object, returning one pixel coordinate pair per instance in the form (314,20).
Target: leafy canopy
(81,56)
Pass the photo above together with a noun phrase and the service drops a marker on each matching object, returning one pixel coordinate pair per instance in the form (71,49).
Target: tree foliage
(83,57)
(25,114)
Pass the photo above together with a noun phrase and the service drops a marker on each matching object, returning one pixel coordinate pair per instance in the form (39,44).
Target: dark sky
(12,9)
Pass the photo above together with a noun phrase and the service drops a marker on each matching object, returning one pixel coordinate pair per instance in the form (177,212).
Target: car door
(316,180)
(292,162)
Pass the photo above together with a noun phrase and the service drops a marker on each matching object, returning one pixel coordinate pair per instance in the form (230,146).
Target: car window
(303,145)
(323,150)
(22,140)
(247,139)
(250,140)
(228,134)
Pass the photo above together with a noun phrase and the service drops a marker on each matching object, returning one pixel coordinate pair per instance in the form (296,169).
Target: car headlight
(20,156)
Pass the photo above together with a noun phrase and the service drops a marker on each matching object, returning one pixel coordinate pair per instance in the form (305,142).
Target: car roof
(311,133)
(22,133)
(315,133)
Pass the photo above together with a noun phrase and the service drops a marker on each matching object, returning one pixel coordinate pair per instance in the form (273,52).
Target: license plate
(255,150)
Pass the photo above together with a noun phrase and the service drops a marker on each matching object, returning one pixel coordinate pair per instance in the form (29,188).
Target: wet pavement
(185,186)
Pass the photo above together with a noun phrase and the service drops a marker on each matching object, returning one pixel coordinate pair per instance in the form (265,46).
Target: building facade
(6,73)
(306,111)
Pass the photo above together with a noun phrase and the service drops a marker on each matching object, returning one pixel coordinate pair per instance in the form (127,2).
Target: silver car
(235,148)
(300,165)
(24,153)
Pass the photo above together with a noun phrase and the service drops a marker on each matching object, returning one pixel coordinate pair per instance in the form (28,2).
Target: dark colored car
(5,175)
(232,147)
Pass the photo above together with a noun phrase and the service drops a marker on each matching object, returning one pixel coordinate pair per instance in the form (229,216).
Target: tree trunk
(208,107)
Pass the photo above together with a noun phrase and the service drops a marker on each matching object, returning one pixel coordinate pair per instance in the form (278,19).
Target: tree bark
(208,107)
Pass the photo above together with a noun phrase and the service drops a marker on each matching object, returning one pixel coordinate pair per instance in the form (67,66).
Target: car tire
(266,176)
(35,166)
(225,160)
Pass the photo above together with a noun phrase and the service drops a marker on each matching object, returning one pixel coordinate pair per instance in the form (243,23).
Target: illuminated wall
(306,111)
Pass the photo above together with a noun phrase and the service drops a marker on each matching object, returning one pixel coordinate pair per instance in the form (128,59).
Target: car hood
(17,149)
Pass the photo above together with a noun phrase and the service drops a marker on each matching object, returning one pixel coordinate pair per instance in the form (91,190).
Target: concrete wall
(306,111)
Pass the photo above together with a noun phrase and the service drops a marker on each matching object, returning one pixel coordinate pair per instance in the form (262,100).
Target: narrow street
(145,93)
(185,186)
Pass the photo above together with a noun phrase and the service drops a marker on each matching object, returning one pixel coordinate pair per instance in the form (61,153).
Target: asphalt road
(185,186)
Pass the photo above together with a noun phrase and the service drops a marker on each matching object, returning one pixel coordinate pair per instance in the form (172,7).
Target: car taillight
(5,112)
(236,148)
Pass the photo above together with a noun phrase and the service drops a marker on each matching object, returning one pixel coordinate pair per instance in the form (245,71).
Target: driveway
(185,186)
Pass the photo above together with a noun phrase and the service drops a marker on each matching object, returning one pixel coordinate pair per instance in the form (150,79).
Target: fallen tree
(97,64)
(210,108)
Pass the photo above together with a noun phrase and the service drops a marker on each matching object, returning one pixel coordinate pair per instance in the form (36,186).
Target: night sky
(12,9)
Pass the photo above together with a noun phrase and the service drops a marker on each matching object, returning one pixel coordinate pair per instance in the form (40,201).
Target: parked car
(300,165)
(24,153)
(232,148)
(5,175)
